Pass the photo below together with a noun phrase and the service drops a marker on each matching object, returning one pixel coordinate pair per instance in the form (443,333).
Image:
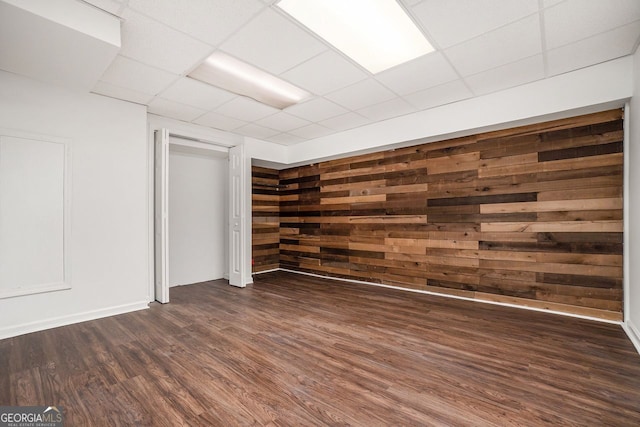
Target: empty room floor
(299,350)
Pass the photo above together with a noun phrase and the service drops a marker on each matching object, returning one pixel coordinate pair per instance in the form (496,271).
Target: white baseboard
(55,322)
(268,271)
(420,291)
(633,333)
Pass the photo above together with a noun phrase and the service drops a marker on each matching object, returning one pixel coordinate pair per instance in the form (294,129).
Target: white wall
(108,251)
(632,298)
(265,152)
(197,215)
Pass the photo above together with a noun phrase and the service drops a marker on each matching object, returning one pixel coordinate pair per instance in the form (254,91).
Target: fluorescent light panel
(377,34)
(233,75)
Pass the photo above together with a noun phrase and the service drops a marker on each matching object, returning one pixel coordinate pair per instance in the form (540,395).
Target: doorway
(190,212)
(198,183)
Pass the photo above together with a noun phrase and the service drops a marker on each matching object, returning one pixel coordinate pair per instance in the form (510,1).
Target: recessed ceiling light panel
(377,34)
(233,75)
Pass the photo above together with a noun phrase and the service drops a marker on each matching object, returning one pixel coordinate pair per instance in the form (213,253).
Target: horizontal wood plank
(532,213)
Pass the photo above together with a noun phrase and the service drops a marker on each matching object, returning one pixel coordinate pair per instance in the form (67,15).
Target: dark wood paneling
(526,205)
(266,219)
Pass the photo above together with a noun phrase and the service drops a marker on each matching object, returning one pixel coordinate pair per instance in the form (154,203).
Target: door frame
(188,136)
(161,215)
(237,217)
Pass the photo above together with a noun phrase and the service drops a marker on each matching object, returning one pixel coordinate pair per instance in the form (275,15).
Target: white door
(236,216)
(162,215)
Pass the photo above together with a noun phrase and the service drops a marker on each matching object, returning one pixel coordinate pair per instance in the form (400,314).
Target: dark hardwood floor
(297,350)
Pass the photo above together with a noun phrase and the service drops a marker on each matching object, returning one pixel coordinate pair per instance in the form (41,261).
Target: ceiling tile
(285,139)
(484,46)
(596,49)
(246,109)
(386,110)
(508,44)
(133,75)
(219,121)
(316,109)
(118,92)
(273,43)
(198,17)
(282,121)
(197,94)
(311,131)
(174,110)
(362,94)
(452,22)
(510,75)
(152,43)
(421,73)
(345,121)
(325,73)
(439,95)
(256,131)
(574,20)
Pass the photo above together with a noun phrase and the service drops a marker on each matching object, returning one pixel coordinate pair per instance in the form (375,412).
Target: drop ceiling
(482,46)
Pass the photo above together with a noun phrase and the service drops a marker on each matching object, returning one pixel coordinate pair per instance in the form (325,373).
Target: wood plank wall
(266,221)
(529,216)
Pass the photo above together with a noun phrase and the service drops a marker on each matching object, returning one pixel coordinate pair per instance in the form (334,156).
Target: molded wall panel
(109,202)
(33,214)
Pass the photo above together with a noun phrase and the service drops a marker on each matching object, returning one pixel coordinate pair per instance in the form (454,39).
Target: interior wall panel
(266,222)
(529,216)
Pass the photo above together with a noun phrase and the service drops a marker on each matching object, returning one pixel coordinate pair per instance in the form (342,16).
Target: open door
(236,216)
(162,216)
